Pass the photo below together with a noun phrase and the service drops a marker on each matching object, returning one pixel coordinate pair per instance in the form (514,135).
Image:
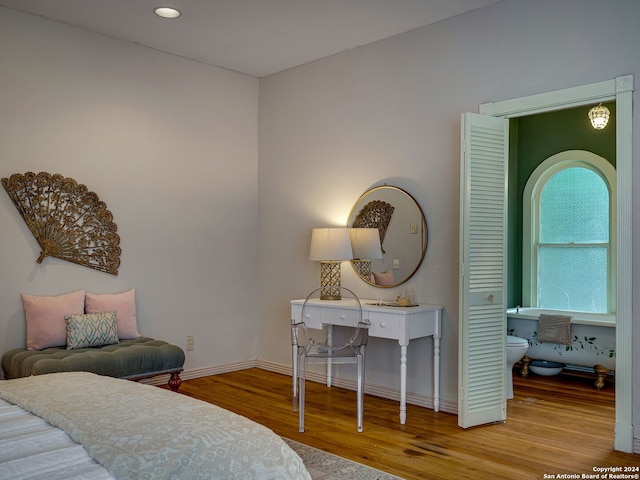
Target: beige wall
(170,146)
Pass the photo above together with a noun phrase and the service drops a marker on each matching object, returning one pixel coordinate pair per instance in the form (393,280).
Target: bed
(79,425)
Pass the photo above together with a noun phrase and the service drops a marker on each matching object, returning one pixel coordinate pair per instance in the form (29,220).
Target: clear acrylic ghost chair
(314,345)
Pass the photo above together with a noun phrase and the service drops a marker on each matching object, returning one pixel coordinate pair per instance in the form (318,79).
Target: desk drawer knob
(383,324)
(342,317)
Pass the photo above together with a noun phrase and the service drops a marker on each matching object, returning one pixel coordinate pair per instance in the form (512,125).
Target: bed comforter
(144,432)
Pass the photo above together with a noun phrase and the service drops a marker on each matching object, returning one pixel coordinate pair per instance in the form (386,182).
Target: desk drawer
(316,316)
(384,325)
(341,316)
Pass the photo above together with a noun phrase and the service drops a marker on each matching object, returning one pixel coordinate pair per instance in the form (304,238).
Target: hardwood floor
(555,425)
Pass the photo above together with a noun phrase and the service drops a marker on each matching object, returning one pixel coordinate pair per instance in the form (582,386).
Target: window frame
(531,218)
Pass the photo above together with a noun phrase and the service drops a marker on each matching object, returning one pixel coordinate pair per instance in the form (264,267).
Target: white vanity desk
(391,322)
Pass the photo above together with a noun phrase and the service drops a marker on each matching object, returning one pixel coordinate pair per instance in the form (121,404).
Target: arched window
(569,234)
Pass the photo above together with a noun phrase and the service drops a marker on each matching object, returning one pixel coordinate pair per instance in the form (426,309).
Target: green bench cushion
(129,358)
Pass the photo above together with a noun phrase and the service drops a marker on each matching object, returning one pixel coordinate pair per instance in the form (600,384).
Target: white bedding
(139,431)
(32,448)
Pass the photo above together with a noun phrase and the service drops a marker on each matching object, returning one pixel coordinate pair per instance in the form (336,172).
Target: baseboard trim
(375,390)
(202,372)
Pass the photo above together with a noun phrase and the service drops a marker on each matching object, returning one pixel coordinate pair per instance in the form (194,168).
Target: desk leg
(403,384)
(330,342)
(436,373)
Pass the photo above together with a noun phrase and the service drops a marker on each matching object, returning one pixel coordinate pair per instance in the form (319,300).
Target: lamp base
(330,280)
(330,296)
(363,268)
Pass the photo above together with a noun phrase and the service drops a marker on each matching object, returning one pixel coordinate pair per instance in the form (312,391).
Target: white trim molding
(202,372)
(376,390)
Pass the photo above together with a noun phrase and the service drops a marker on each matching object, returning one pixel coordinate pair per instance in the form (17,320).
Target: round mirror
(402,229)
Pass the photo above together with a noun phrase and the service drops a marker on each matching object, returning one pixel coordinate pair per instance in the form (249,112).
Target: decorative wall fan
(375,214)
(68,221)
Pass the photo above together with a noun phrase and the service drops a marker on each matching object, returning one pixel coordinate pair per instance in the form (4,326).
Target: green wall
(532,140)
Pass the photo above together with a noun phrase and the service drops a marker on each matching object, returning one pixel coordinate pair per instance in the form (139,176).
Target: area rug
(326,466)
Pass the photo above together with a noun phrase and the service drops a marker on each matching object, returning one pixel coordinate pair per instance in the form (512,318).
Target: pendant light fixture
(599,116)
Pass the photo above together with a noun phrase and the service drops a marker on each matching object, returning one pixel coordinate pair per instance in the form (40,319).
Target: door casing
(619,89)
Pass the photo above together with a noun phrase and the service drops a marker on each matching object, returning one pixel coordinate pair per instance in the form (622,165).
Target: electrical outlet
(190,342)
(396,264)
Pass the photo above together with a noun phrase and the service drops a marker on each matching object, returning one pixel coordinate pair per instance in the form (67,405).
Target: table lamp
(330,246)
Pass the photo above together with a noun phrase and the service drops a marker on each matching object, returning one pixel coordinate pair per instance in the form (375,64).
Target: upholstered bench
(132,359)
(90,332)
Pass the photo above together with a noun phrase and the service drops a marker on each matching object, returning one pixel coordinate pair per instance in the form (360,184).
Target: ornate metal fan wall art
(68,221)
(376,214)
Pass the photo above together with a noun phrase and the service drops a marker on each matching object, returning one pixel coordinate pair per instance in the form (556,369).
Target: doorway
(620,90)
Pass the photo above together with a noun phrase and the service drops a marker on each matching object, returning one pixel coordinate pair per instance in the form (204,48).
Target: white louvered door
(483,205)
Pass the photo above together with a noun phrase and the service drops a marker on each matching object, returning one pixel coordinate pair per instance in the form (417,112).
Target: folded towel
(554,329)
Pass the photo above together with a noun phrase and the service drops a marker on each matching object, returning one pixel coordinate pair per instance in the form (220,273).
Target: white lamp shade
(365,243)
(329,244)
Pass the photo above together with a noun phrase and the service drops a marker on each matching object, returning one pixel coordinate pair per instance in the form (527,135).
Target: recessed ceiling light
(167,12)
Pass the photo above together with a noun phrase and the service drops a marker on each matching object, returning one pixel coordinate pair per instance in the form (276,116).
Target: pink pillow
(125,306)
(385,278)
(46,326)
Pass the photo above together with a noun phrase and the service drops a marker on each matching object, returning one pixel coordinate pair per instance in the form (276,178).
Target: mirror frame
(371,195)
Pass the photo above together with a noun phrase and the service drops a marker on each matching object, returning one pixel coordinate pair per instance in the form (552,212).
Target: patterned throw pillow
(91,329)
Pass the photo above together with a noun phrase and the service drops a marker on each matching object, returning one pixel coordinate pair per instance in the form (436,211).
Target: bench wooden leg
(175,381)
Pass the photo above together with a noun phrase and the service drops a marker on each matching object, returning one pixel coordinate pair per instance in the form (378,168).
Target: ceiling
(255,37)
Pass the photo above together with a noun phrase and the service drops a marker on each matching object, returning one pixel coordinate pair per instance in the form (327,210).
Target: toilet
(516,349)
